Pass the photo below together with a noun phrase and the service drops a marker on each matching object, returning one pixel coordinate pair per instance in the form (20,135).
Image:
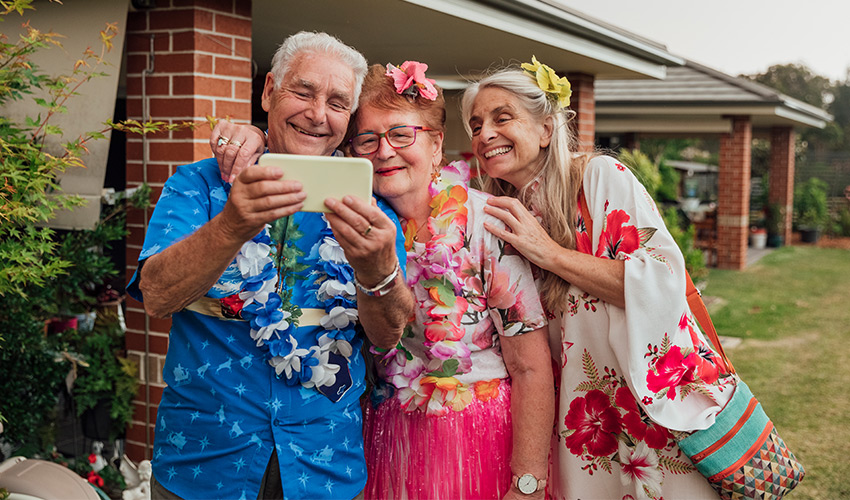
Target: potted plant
(775,225)
(811,209)
(105,387)
(758,237)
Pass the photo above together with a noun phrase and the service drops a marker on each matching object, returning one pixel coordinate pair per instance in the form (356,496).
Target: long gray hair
(560,173)
(319,43)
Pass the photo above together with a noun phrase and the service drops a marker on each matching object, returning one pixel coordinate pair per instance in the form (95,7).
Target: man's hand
(367,235)
(259,195)
(236,147)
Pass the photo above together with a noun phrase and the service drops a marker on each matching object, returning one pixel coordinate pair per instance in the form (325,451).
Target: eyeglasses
(397,137)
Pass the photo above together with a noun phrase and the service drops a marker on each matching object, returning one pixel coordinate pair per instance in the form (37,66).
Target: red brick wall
(583,102)
(201,67)
(733,197)
(781,189)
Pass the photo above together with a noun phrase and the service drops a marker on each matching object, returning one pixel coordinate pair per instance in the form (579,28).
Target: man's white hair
(319,43)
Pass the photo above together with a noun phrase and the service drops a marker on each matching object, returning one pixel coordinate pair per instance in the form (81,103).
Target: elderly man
(257,407)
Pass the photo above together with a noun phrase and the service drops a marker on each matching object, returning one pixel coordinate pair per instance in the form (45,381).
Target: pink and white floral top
(436,368)
(629,375)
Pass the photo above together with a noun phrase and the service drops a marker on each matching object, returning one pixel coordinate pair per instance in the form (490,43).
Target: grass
(792,310)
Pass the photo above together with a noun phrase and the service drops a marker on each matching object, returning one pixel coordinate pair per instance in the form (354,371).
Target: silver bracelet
(381,288)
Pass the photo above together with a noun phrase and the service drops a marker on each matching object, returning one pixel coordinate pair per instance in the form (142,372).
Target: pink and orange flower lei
(431,386)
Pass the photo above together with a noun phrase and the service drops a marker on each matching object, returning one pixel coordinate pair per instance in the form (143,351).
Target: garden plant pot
(775,240)
(96,421)
(758,240)
(809,235)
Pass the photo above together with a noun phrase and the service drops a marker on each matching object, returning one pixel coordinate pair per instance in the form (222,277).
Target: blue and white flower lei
(331,289)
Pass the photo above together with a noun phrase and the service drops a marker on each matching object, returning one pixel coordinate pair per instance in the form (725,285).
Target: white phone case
(325,177)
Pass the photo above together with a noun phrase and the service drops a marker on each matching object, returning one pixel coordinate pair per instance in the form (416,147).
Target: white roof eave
(800,117)
(509,23)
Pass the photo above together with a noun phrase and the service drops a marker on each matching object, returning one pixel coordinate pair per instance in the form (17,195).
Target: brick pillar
(583,102)
(201,67)
(781,189)
(733,200)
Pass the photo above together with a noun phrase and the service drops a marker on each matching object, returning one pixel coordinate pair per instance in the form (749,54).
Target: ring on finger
(222,140)
(367,231)
(236,143)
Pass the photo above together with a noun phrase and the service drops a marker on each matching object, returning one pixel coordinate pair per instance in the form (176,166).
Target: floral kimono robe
(630,375)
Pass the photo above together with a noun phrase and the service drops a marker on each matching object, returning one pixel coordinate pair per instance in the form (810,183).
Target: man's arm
(185,271)
(373,256)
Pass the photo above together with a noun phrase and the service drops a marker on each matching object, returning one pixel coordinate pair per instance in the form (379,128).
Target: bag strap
(700,313)
(693,296)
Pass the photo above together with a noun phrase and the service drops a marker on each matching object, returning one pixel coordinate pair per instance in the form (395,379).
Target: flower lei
(557,88)
(433,387)
(410,79)
(273,317)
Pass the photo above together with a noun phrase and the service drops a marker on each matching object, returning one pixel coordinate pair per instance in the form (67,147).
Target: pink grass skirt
(459,456)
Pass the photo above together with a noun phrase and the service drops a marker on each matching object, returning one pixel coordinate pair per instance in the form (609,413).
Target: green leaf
(444,290)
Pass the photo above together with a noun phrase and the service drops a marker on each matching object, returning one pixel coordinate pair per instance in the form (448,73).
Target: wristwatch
(528,484)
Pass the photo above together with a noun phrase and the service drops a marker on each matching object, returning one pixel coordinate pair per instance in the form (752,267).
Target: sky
(738,36)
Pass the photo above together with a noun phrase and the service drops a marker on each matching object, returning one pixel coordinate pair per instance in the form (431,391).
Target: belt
(209,306)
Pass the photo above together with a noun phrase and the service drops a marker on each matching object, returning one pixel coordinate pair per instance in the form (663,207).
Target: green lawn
(792,308)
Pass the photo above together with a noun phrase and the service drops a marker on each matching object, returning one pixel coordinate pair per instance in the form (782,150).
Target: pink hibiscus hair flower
(410,79)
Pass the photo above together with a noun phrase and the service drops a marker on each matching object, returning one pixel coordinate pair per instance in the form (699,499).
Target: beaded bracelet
(381,288)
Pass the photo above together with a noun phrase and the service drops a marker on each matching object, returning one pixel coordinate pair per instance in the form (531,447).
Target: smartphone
(325,177)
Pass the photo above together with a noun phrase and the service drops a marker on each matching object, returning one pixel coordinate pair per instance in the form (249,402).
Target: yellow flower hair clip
(556,87)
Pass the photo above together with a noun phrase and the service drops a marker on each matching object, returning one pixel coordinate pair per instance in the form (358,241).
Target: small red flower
(94,478)
(92,458)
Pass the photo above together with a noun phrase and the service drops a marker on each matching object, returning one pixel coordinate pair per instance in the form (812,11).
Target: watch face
(527,484)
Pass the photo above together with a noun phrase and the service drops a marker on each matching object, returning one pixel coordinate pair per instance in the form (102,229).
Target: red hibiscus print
(704,359)
(683,323)
(638,424)
(583,238)
(596,424)
(617,236)
(671,370)
(706,364)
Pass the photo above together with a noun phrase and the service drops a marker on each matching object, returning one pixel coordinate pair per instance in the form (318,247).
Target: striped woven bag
(741,454)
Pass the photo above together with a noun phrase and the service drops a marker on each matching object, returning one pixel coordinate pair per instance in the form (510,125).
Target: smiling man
(257,406)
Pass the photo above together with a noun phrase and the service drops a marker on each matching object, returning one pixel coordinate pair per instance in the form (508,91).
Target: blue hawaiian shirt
(224,409)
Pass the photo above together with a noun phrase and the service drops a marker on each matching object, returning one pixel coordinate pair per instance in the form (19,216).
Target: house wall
(199,66)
